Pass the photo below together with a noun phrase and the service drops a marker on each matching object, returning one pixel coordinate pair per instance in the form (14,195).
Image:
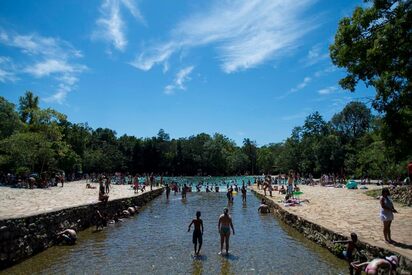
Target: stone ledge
(324,236)
(23,237)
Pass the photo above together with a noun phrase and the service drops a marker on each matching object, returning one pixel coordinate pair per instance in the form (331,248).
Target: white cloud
(181,77)
(328,90)
(53,66)
(111,26)
(315,55)
(244,33)
(7,70)
(45,57)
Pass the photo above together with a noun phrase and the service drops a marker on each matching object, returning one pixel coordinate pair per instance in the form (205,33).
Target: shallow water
(157,242)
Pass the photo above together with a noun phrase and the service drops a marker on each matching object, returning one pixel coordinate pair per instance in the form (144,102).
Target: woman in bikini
(224,225)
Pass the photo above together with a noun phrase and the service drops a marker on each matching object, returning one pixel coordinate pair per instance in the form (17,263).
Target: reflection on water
(157,242)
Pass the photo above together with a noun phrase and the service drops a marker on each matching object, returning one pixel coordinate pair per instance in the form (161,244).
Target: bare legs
(387,231)
(224,239)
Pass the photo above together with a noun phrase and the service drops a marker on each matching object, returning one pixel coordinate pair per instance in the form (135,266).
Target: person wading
(224,225)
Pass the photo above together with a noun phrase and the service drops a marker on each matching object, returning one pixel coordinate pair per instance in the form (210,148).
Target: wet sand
(17,202)
(344,211)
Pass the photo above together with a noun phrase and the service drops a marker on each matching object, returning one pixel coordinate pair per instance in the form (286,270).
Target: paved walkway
(16,202)
(344,211)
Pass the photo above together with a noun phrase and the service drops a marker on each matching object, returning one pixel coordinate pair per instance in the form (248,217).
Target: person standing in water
(197,232)
(167,191)
(184,191)
(224,225)
(243,193)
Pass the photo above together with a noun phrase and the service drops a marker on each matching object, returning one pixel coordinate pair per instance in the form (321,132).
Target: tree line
(43,140)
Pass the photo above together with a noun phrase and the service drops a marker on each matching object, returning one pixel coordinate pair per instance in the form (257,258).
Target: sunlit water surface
(157,242)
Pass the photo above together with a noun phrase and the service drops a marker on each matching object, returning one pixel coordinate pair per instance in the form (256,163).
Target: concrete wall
(324,237)
(21,238)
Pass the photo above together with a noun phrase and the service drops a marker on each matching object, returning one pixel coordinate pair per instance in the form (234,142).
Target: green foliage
(375,46)
(350,144)
(9,119)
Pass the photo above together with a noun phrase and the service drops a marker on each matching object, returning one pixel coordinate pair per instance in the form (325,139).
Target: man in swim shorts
(198,232)
(224,225)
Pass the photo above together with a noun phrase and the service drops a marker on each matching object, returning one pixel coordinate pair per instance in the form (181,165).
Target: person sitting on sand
(67,236)
(88,186)
(282,190)
(197,232)
(264,208)
(350,249)
(373,267)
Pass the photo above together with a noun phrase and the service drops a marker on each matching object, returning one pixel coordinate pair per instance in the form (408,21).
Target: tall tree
(28,104)
(375,46)
(353,121)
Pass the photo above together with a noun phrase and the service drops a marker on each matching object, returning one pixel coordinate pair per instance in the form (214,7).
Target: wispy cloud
(45,57)
(111,26)
(181,77)
(245,34)
(7,70)
(298,87)
(328,90)
(315,55)
(298,115)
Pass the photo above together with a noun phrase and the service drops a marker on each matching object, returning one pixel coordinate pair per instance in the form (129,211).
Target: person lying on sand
(88,186)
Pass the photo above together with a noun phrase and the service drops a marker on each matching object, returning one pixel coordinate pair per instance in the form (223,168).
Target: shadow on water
(157,242)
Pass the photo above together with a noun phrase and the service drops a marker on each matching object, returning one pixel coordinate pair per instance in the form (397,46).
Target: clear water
(157,242)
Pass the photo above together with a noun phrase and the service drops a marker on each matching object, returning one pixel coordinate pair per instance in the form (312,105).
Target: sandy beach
(345,211)
(16,202)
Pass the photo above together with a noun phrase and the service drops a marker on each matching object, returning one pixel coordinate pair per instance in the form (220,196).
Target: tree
(28,104)
(9,119)
(250,150)
(314,125)
(353,121)
(375,46)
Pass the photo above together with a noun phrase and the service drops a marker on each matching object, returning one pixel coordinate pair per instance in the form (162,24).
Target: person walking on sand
(197,232)
(386,214)
(224,225)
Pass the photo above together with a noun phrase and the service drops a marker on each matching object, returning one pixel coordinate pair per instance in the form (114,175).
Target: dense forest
(43,140)
(374,46)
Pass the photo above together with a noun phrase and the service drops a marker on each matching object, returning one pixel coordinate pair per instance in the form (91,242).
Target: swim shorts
(225,230)
(197,237)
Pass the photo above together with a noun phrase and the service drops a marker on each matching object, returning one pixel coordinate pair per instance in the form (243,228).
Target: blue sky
(252,68)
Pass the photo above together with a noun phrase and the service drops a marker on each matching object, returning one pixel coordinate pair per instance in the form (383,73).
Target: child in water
(197,233)
(348,254)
